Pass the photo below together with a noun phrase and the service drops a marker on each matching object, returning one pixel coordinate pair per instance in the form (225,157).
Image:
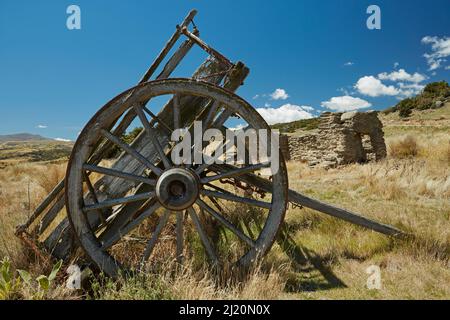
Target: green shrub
(9,284)
(405,107)
(437,89)
(305,124)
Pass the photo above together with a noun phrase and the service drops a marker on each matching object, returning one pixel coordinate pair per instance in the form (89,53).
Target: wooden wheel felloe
(121,210)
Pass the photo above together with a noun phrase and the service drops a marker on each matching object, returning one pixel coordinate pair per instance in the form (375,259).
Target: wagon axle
(177,189)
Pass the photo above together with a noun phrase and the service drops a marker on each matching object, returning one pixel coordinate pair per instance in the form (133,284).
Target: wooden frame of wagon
(43,230)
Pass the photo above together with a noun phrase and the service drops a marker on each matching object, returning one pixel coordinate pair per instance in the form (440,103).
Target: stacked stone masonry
(342,138)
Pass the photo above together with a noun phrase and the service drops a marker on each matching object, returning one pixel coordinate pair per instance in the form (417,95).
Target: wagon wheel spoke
(226,223)
(176,112)
(152,242)
(139,157)
(119,201)
(235,172)
(152,136)
(203,237)
(124,230)
(119,174)
(157,119)
(231,197)
(258,182)
(180,236)
(216,155)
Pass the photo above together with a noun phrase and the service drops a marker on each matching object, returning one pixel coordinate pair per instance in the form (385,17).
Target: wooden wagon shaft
(305,201)
(168,47)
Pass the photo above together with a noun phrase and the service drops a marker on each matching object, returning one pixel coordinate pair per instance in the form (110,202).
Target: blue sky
(320,54)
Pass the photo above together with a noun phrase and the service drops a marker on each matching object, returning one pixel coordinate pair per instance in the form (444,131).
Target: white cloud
(238,127)
(41,126)
(279,94)
(307,108)
(440,48)
(256,96)
(62,140)
(349,64)
(402,75)
(373,87)
(345,103)
(410,89)
(285,113)
(447,68)
(396,65)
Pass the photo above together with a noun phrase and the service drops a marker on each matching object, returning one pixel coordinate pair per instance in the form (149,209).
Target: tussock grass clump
(404,148)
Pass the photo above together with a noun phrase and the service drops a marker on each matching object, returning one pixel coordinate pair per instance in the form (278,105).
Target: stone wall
(342,138)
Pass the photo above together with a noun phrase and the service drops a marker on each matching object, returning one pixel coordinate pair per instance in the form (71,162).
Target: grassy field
(410,190)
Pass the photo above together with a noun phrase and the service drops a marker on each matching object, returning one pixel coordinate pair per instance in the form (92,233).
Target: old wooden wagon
(127,210)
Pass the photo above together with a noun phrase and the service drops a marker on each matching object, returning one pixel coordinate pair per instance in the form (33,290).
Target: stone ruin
(341,138)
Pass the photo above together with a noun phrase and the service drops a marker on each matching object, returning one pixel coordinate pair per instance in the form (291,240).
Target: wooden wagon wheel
(109,222)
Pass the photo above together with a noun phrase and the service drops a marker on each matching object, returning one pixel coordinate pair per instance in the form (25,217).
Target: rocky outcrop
(342,138)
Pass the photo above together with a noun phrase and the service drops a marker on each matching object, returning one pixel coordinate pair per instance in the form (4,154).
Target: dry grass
(170,281)
(404,148)
(22,188)
(411,192)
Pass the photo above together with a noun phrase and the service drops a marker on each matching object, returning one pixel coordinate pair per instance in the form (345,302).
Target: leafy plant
(9,284)
(43,282)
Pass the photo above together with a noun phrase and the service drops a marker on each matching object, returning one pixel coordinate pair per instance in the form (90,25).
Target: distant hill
(290,127)
(22,137)
(434,96)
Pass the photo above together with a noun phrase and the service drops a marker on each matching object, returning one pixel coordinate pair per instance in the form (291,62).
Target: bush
(406,148)
(405,107)
(437,89)
(304,124)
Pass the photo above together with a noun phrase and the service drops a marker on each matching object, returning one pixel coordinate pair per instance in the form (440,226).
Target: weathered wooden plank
(44,204)
(51,214)
(119,201)
(176,58)
(119,174)
(169,45)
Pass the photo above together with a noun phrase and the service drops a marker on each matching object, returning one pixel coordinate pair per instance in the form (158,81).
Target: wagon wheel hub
(177,189)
